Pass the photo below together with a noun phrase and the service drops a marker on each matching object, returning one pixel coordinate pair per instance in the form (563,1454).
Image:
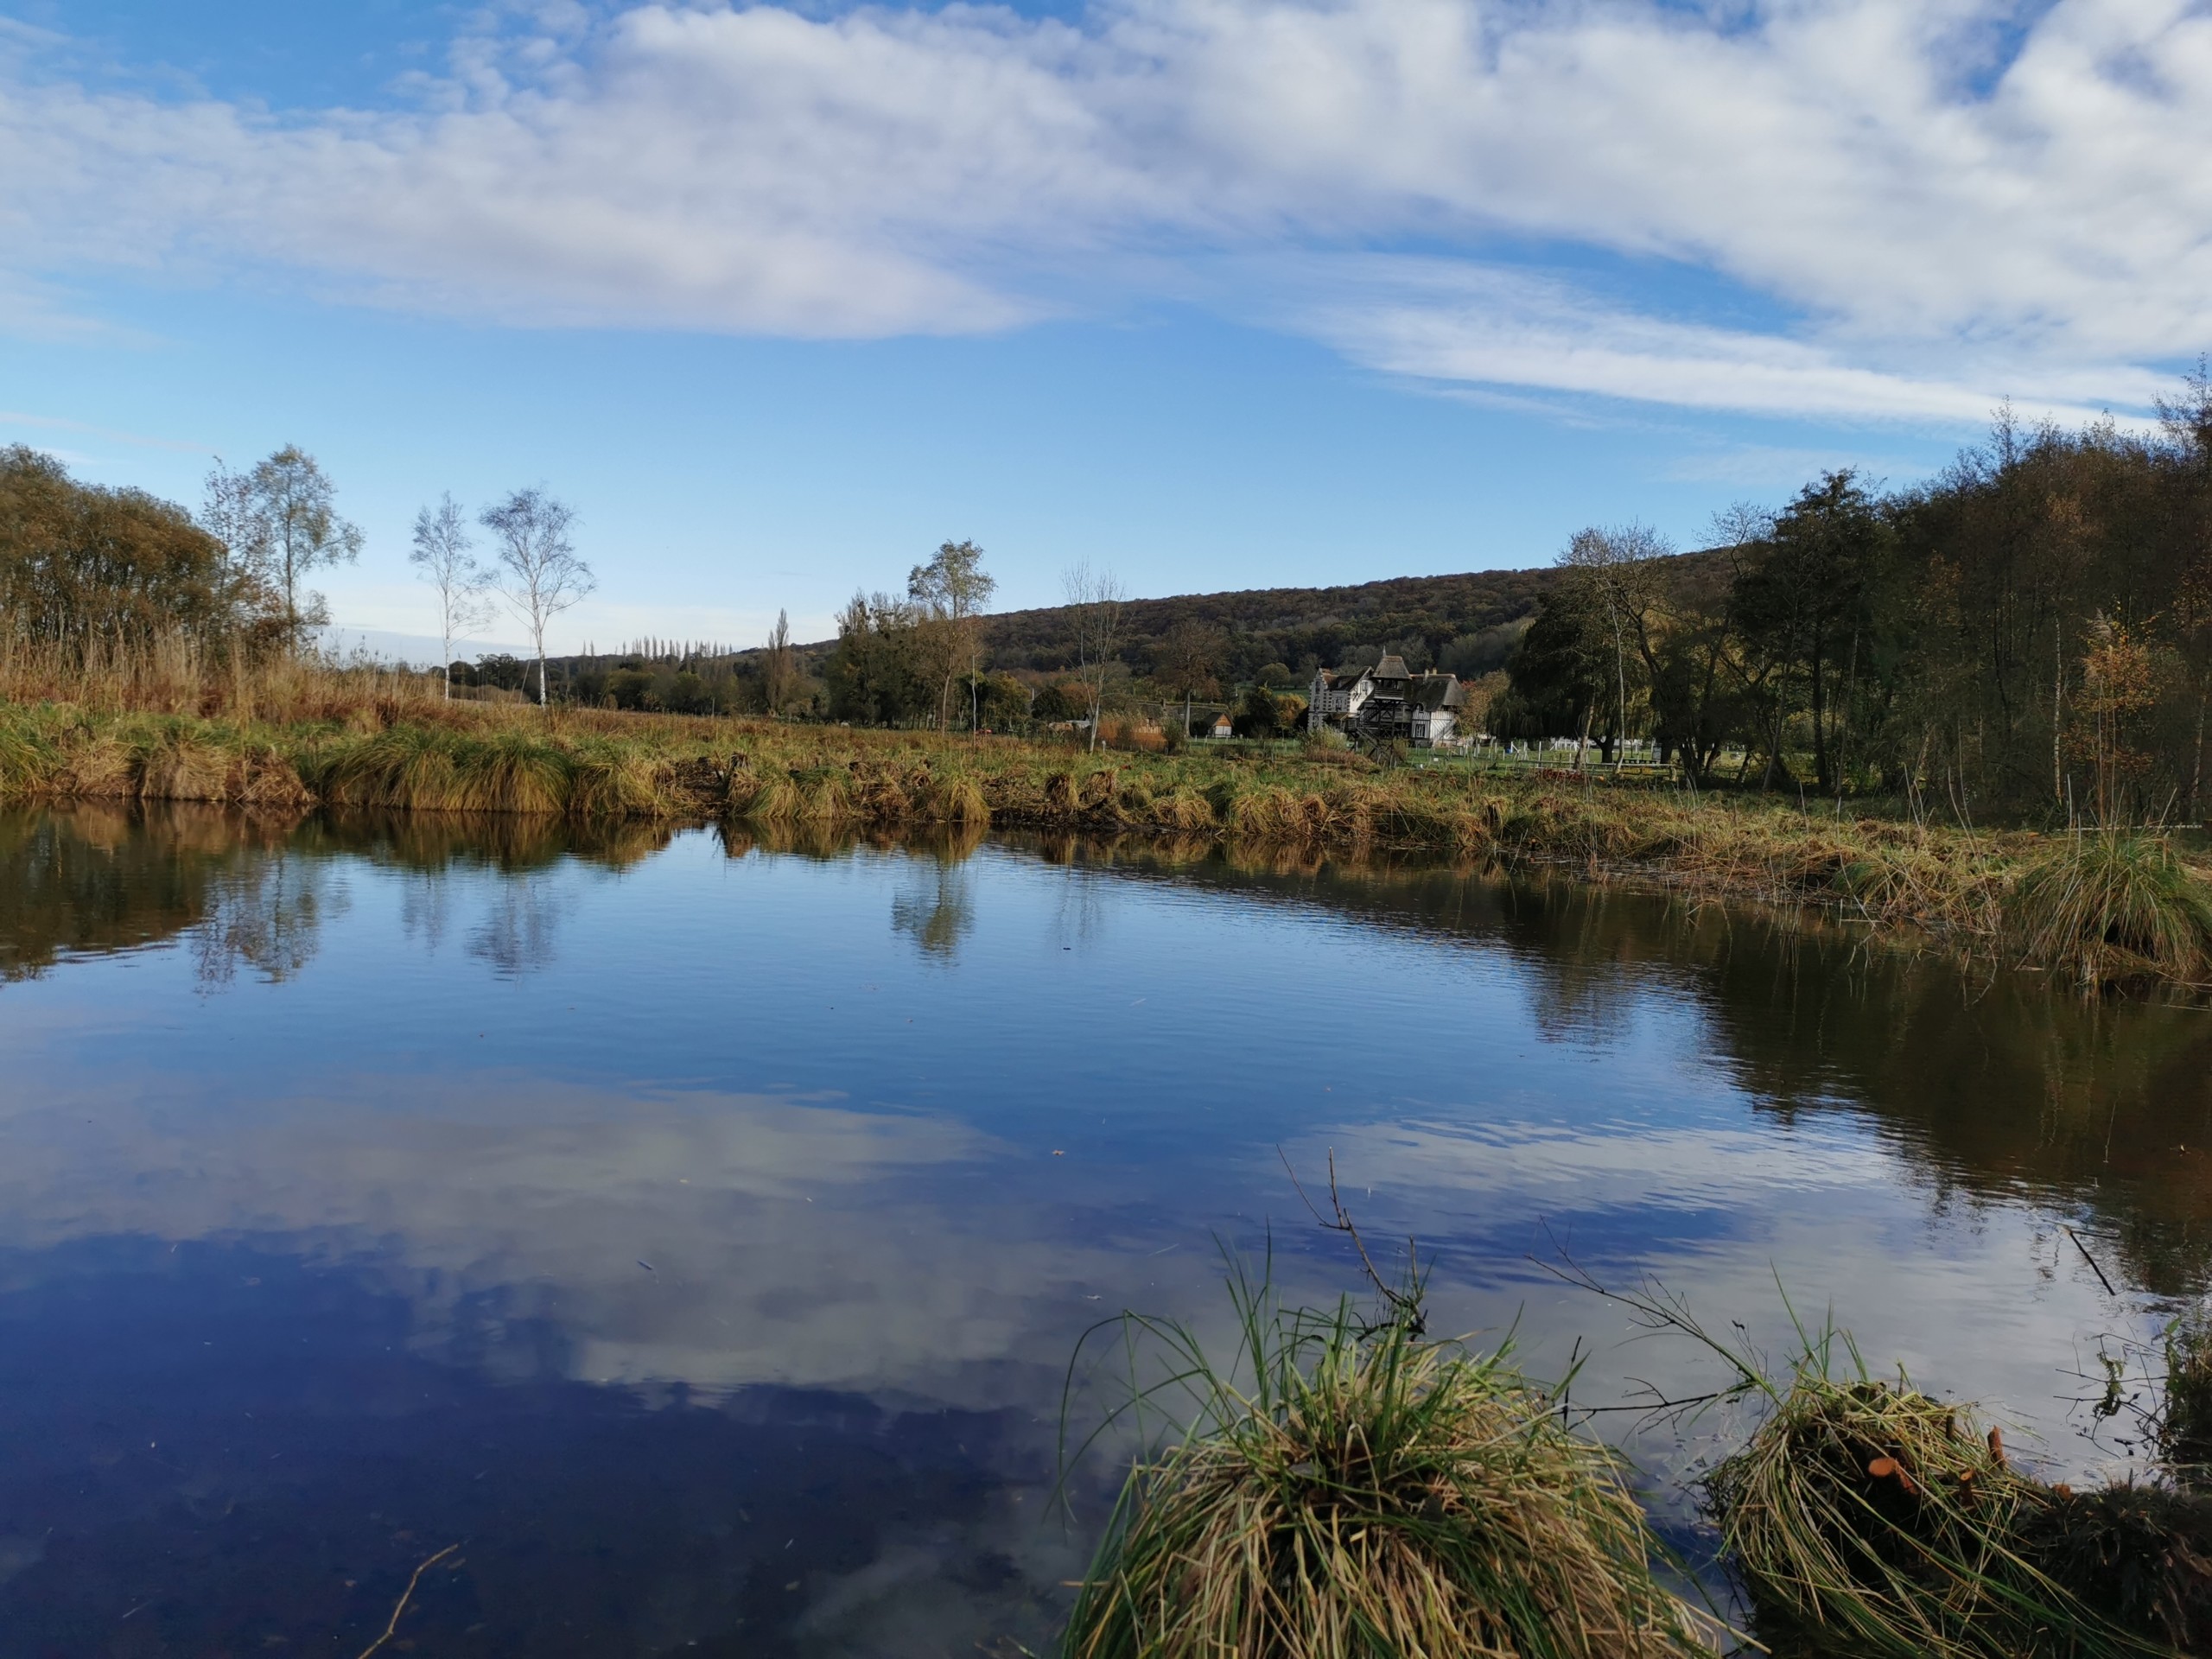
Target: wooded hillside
(1291,625)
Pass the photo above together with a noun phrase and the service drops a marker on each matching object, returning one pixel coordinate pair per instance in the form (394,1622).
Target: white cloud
(1435,322)
(1944,229)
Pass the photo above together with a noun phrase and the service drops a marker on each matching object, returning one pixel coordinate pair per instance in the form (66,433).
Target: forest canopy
(81,565)
(2028,633)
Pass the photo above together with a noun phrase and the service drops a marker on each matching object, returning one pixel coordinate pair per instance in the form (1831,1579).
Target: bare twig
(2091,1260)
(1405,1306)
(392,1627)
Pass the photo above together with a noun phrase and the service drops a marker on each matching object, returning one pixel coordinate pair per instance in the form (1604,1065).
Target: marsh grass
(1871,1519)
(1864,1517)
(2118,909)
(2184,1424)
(1337,1488)
(2109,908)
(177,674)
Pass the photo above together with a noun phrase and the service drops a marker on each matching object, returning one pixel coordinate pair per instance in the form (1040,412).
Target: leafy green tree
(1060,701)
(1557,673)
(81,565)
(287,515)
(875,674)
(950,594)
(1804,597)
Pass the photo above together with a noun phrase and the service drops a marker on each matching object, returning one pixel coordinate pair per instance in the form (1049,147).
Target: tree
(949,593)
(1614,568)
(873,672)
(1095,598)
(1190,659)
(79,564)
(442,558)
(1804,595)
(778,671)
(231,515)
(1558,671)
(298,530)
(539,574)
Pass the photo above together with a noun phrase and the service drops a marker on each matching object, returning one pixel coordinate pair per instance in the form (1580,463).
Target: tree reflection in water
(939,912)
(1994,1085)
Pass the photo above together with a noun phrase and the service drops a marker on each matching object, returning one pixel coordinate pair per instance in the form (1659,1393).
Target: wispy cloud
(1944,229)
(17,419)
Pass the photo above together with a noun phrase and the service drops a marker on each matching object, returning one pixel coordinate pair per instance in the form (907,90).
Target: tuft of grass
(184,764)
(1870,1518)
(961,800)
(2141,1553)
(1351,1492)
(2185,1420)
(2111,908)
(429,769)
(607,780)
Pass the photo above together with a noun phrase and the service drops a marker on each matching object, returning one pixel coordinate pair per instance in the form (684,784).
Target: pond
(695,1232)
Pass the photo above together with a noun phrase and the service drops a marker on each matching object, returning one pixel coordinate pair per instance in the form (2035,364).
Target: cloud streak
(1935,224)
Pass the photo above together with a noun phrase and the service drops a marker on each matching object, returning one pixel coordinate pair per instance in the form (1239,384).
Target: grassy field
(2096,909)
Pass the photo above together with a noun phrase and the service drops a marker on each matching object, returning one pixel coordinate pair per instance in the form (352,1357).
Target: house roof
(1391,668)
(1337,679)
(1434,691)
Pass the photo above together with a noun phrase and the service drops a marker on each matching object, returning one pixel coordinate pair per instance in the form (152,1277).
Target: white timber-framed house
(1387,703)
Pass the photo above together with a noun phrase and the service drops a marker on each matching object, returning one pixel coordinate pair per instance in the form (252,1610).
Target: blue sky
(1218,293)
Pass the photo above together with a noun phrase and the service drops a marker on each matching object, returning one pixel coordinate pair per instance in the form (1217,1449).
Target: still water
(695,1232)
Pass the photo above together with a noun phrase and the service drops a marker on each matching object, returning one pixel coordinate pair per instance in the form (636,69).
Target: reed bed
(177,674)
(1342,1491)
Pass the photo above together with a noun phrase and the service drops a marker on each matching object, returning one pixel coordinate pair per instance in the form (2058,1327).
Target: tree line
(84,568)
(2028,633)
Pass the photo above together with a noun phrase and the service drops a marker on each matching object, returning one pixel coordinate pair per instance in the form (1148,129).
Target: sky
(1216,293)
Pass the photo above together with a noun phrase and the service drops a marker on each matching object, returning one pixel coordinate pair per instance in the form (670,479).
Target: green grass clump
(1869,1518)
(1367,1494)
(2185,1418)
(2110,908)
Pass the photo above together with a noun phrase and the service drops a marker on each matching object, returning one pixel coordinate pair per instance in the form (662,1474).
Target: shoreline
(1956,886)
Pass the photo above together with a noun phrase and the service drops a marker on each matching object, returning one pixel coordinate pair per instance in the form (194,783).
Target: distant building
(1221,727)
(1388,701)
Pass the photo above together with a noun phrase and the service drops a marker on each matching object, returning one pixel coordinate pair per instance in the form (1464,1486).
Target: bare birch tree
(444,559)
(539,574)
(1095,598)
(1613,569)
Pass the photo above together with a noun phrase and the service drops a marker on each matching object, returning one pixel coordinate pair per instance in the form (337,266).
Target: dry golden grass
(1345,1491)
(395,747)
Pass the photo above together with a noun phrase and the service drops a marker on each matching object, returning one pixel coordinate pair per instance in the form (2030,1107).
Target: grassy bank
(2094,909)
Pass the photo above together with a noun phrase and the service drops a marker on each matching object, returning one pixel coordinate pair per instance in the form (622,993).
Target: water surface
(697,1232)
